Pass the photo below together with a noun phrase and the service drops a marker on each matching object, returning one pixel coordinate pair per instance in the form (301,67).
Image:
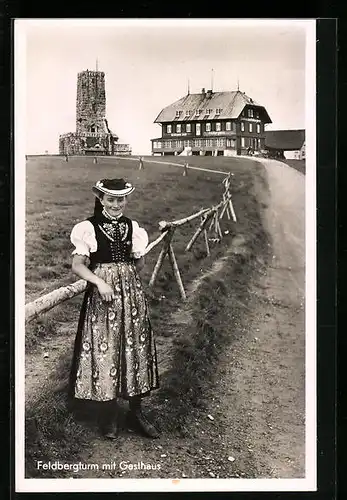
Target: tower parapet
(93,135)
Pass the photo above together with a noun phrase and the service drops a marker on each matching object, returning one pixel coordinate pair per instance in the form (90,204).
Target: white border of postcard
(308,483)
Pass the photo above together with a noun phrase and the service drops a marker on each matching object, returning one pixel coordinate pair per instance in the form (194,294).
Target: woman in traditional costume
(115,353)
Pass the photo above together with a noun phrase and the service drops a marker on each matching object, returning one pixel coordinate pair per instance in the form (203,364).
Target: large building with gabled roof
(211,123)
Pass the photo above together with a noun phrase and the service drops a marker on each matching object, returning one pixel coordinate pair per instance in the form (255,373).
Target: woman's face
(114,205)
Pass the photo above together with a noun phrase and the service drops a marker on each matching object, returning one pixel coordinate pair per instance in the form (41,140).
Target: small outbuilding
(288,144)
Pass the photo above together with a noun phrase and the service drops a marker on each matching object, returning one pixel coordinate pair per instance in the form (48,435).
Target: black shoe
(139,422)
(109,430)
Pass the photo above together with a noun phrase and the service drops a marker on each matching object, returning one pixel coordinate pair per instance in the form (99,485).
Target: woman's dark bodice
(114,240)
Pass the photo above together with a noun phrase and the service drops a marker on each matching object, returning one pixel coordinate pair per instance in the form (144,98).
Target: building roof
(231,103)
(287,140)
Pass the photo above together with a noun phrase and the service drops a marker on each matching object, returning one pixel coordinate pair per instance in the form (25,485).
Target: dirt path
(257,406)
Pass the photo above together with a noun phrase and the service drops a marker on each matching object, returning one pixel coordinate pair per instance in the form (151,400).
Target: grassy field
(58,196)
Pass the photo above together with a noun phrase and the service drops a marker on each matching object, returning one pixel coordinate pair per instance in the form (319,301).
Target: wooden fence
(209,222)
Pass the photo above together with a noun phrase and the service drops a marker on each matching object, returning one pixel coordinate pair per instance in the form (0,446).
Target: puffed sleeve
(140,240)
(83,238)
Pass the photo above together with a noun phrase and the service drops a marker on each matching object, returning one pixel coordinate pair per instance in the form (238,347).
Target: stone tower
(91,102)
(92,136)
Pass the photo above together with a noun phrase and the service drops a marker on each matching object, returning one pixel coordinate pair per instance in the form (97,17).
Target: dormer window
(218,111)
(187,113)
(250,113)
(197,112)
(178,114)
(208,111)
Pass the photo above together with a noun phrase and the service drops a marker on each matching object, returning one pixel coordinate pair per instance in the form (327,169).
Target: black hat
(113,187)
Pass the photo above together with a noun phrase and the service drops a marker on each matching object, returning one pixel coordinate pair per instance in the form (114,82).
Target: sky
(147,65)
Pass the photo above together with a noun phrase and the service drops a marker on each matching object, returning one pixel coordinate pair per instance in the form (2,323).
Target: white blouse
(84,239)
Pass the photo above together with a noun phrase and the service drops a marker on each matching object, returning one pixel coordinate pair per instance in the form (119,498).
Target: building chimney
(209,94)
(203,91)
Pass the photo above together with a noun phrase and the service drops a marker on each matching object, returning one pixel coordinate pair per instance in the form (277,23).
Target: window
(197,112)
(257,115)
(169,129)
(208,127)
(197,143)
(258,128)
(242,127)
(187,113)
(220,143)
(250,113)
(186,143)
(178,114)
(209,143)
(243,144)
(198,129)
(218,111)
(178,128)
(250,127)
(188,127)
(159,144)
(218,127)
(179,144)
(228,126)
(258,143)
(208,111)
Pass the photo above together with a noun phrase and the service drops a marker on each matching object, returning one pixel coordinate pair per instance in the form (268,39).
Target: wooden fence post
(201,228)
(176,271)
(217,229)
(159,263)
(206,243)
(212,220)
(185,170)
(227,196)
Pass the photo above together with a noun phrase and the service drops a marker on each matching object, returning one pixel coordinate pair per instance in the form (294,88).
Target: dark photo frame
(326,174)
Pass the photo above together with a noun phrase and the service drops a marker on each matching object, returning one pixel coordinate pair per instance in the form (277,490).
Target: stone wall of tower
(70,144)
(93,135)
(90,102)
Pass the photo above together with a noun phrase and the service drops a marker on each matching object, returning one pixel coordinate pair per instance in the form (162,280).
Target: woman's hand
(79,267)
(106,291)
(139,263)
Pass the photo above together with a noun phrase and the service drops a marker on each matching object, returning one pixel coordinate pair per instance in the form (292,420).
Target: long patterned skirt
(115,352)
